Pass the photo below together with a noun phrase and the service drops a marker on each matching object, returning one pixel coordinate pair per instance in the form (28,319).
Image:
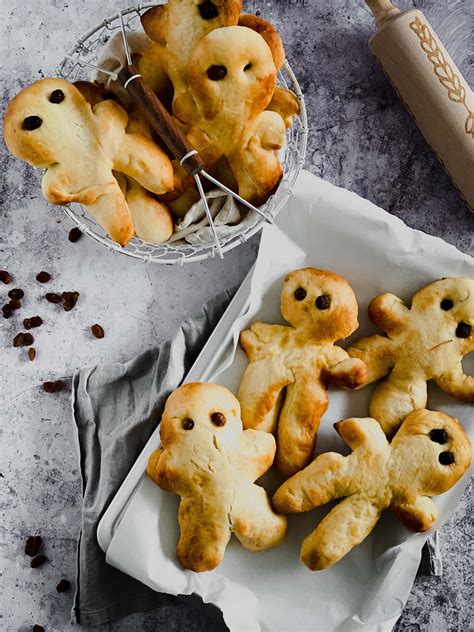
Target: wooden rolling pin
(431,87)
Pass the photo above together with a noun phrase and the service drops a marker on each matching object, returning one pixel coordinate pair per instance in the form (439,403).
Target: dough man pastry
(321,308)
(426,341)
(231,77)
(152,220)
(427,456)
(50,125)
(211,462)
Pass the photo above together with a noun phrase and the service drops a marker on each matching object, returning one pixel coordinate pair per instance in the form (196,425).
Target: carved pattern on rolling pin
(443,70)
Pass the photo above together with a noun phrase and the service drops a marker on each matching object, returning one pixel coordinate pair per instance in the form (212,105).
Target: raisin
(187,424)
(34,321)
(438,435)
(323,302)
(70,300)
(33,545)
(38,628)
(39,560)
(446,458)
(56,96)
(43,277)
(31,354)
(14,304)
(218,419)
(216,73)
(31,122)
(7,311)
(74,234)
(299,294)
(446,304)
(52,297)
(97,331)
(19,340)
(5,277)
(463,330)
(53,387)
(16,293)
(63,585)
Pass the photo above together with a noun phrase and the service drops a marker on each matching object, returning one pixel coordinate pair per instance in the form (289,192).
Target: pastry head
(43,120)
(205,414)
(448,309)
(321,302)
(430,453)
(231,72)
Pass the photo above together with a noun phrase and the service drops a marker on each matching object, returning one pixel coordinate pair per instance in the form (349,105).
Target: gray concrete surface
(360,138)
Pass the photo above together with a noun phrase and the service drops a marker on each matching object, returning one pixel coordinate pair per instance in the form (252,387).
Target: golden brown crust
(209,460)
(269,34)
(286,104)
(427,456)
(424,342)
(284,387)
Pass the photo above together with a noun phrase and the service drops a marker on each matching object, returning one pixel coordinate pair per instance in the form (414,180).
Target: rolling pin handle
(383,10)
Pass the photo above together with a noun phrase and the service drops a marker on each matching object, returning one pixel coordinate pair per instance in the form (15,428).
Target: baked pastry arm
(418,515)
(457,384)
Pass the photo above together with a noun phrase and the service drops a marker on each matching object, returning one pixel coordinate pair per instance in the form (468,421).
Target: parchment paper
(327,227)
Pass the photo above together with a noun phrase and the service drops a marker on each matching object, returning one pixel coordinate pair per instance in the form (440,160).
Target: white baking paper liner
(327,227)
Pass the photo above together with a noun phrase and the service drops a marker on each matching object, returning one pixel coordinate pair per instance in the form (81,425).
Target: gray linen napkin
(116,408)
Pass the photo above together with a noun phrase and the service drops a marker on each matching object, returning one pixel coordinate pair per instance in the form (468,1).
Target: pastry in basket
(152,220)
(175,28)
(426,341)
(50,125)
(211,462)
(427,456)
(284,387)
(231,78)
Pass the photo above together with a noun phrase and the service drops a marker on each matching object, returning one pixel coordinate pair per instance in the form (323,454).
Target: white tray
(199,372)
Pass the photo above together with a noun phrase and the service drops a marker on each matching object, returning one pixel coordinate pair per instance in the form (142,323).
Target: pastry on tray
(427,456)
(211,462)
(426,341)
(284,387)
(50,125)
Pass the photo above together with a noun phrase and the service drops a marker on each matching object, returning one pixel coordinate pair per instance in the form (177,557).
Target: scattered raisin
(19,340)
(52,297)
(38,628)
(74,234)
(33,545)
(56,96)
(463,330)
(187,424)
(14,304)
(63,585)
(7,311)
(43,277)
(97,331)
(70,300)
(216,73)
(39,560)
(31,353)
(5,277)
(53,387)
(34,321)
(446,458)
(16,293)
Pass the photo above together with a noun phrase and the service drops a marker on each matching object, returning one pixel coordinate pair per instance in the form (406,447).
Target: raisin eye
(187,424)
(446,458)
(323,302)
(57,96)
(216,73)
(446,304)
(300,294)
(247,67)
(438,435)
(463,330)
(218,419)
(208,10)
(31,123)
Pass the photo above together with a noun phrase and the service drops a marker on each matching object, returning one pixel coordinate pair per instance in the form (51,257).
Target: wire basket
(89,48)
